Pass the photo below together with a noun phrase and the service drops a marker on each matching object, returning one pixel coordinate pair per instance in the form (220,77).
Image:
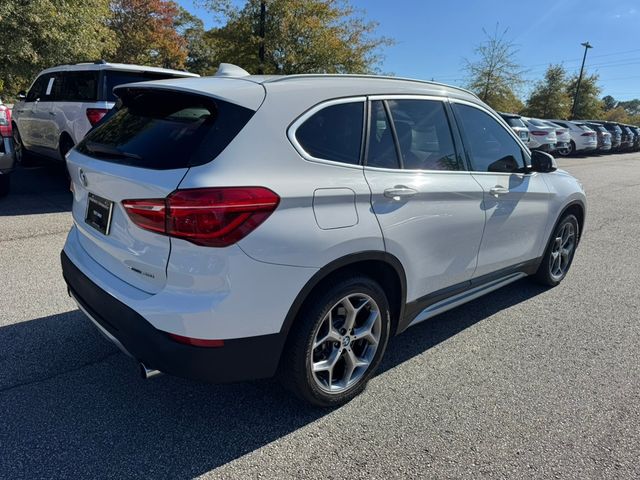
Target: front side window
(490,146)
(36,92)
(334,133)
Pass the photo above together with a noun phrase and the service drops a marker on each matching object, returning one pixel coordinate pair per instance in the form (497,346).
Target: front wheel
(337,342)
(560,251)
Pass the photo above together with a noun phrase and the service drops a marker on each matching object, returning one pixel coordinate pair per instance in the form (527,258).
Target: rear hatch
(142,152)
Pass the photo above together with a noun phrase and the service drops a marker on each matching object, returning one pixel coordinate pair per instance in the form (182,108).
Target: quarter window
(334,133)
(491,148)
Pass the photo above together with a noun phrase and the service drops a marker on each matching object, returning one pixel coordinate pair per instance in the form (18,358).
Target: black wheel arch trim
(342,262)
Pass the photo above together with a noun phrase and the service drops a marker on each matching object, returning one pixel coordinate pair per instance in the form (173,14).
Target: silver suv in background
(64,102)
(541,135)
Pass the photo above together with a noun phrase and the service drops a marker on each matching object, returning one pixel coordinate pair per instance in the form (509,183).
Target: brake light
(95,115)
(538,132)
(196,342)
(5,121)
(212,217)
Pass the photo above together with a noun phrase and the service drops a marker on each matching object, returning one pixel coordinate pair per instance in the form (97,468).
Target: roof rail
(357,75)
(95,62)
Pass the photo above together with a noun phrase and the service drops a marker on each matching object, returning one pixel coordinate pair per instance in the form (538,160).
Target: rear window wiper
(102,149)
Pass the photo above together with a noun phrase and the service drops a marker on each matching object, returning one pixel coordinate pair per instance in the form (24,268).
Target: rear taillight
(538,132)
(5,122)
(212,217)
(95,115)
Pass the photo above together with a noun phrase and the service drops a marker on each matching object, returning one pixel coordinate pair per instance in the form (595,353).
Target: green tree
(617,114)
(549,98)
(632,107)
(37,34)
(589,105)
(495,76)
(201,52)
(609,103)
(300,36)
(146,33)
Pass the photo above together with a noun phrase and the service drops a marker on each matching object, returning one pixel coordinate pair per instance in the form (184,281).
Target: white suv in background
(64,102)
(583,138)
(230,228)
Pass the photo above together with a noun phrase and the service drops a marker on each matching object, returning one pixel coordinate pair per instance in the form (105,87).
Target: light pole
(586,46)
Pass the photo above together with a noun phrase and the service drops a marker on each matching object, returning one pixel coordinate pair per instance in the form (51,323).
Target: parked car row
(566,137)
(7,157)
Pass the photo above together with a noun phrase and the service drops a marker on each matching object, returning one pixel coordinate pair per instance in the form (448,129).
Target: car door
(428,206)
(47,122)
(41,119)
(516,201)
(27,110)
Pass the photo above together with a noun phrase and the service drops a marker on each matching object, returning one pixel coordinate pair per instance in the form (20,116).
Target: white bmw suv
(234,227)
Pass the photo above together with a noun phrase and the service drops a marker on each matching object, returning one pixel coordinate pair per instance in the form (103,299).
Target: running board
(464,297)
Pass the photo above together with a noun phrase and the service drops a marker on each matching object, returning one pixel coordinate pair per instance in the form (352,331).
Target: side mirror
(22,95)
(542,162)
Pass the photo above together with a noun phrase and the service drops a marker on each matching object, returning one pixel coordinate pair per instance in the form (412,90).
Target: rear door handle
(399,191)
(498,190)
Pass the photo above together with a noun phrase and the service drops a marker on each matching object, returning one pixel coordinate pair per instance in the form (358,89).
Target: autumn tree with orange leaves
(146,34)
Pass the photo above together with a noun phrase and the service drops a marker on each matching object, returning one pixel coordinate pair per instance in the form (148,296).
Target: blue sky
(434,37)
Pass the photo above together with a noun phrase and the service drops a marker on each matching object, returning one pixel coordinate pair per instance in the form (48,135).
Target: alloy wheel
(345,343)
(563,246)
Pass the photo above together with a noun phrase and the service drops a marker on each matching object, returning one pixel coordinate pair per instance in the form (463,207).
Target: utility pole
(263,15)
(586,46)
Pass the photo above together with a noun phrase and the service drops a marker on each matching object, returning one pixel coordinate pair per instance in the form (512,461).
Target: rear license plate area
(99,211)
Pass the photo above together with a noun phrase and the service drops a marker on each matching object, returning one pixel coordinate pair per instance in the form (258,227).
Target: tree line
(496,77)
(296,36)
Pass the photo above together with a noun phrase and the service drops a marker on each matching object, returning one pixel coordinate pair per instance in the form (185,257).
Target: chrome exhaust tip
(148,372)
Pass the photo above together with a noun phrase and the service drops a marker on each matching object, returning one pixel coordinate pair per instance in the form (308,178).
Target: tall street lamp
(586,46)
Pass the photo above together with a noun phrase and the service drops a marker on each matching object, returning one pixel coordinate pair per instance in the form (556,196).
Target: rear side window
(163,130)
(491,148)
(113,78)
(423,133)
(78,87)
(334,133)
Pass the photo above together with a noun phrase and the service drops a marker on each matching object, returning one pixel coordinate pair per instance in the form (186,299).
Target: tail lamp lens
(94,115)
(212,217)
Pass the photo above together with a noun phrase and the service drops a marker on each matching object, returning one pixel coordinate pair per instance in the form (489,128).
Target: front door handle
(399,191)
(498,190)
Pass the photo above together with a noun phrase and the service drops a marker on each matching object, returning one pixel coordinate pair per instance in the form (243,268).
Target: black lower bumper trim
(238,360)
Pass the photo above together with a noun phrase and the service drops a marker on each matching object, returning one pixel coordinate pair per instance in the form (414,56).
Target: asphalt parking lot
(523,383)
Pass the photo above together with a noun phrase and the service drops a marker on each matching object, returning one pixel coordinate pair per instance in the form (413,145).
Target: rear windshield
(584,127)
(514,122)
(162,129)
(113,78)
(537,123)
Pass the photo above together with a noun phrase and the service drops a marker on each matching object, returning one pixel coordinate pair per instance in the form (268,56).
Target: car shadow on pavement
(72,405)
(39,186)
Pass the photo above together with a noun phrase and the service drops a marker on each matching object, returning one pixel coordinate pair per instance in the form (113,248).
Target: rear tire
(66,144)
(337,342)
(560,252)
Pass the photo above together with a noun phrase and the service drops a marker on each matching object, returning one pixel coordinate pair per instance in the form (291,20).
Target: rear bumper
(7,155)
(238,360)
